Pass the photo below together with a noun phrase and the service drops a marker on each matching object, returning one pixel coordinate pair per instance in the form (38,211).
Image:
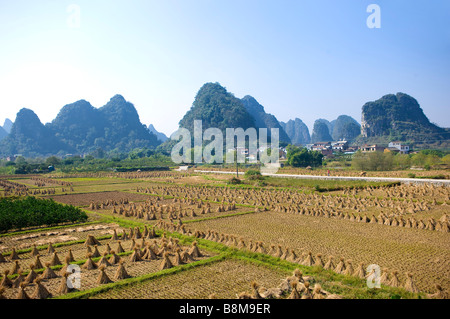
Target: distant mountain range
(81,128)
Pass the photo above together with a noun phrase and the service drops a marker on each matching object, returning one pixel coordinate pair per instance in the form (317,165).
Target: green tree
(301,157)
(446,159)
(402,161)
(53,161)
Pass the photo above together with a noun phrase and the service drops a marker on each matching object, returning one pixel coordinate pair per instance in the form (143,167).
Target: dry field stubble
(336,172)
(97,197)
(167,209)
(89,278)
(426,254)
(225,279)
(55,236)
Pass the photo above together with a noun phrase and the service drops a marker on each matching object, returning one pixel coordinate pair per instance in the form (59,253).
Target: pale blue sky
(305,59)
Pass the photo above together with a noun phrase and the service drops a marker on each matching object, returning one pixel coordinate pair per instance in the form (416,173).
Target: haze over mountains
(80,128)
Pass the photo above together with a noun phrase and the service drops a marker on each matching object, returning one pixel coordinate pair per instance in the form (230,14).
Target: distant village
(328,149)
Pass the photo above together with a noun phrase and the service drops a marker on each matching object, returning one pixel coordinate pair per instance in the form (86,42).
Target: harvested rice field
(424,253)
(250,238)
(225,279)
(86,199)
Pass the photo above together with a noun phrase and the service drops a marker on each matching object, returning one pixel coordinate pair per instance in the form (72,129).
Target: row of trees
(301,157)
(138,159)
(380,161)
(29,212)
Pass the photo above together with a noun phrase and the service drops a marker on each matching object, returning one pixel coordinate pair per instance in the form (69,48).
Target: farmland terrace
(183,235)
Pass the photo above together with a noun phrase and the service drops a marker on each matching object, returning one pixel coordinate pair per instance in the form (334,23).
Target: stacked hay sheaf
(146,246)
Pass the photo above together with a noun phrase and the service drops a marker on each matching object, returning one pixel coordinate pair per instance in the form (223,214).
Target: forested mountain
(216,107)
(263,119)
(297,131)
(345,128)
(30,137)
(124,130)
(79,125)
(400,117)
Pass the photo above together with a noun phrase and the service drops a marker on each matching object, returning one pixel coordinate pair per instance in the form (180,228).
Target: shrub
(260,183)
(234,181)
(253,175)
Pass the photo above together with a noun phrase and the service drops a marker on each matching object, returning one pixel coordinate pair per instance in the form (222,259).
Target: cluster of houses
(342,147)
(330,148)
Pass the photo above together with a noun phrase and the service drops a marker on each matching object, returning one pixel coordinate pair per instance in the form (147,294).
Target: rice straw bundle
(6,282)
(89,264)
(409,285)
(22,294)
(294,293)
(194,251)
(121,273)
(55,260)
(48,272)
(166,263)
(40,291)
(103,277)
